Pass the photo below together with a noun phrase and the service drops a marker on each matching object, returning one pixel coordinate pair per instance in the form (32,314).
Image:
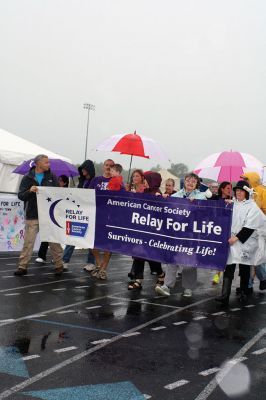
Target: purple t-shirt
(99,183)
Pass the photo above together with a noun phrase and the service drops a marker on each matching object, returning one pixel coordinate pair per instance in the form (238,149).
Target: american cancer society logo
(69,213)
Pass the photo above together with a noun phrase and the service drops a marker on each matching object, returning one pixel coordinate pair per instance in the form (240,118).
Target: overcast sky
(190,74)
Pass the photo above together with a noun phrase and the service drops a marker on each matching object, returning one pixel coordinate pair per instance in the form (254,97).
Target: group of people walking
(246,243)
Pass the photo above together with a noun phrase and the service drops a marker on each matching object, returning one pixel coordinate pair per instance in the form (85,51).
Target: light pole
(88,107)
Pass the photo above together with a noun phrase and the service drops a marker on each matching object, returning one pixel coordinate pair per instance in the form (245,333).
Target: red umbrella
(133,145)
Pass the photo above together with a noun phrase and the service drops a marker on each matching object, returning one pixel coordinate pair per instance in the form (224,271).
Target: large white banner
(67,215)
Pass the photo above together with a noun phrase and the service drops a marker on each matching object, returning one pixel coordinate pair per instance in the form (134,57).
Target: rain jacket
(89,167)
(195,194)
(246,214)
(260,190)
(115,183)
(29,198)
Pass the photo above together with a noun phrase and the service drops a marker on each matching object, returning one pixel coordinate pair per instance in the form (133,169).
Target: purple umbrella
(58,167)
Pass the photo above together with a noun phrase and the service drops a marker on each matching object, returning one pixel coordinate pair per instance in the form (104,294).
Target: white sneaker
(89,267)
(65,266)
(40,260)
(162,290)
(187,293)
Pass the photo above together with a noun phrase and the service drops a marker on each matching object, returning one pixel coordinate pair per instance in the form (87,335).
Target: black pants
(138,267)
(244,273)
(43,250)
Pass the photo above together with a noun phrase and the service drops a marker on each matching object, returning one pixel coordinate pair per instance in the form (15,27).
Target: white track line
(35,285)
(101,341)
(36,291)
(131,334)
(77,357)
(209,371)
(158,328)
(7,320)
(65,311)
(180,323)
(207,391)
(53,310)
(81,287)
(143,301)
(258,352)
(218,313)
(65,349)
(199,318)
(12,294)
(176,384)
(37,316)
(31,357)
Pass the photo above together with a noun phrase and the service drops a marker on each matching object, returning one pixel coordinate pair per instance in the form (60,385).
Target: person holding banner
(224,193)
(41,259)
(244,249)
(86,174)
(101,183)
(189,274)
(152,182)
(39,175)
(169,187)
(136,183)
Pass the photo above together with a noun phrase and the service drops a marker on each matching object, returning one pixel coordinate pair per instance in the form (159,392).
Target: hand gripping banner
(172,230)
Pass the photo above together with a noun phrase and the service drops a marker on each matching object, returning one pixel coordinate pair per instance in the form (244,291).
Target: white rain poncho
(247,214)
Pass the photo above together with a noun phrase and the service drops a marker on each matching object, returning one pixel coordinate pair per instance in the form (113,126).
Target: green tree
(179,169)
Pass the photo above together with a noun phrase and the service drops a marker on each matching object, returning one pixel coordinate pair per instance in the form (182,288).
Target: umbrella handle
(129,169)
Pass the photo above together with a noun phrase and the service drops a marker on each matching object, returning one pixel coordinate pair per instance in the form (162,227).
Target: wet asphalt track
(94,339)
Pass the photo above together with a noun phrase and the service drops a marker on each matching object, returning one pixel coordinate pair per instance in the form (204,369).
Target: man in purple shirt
(100,183)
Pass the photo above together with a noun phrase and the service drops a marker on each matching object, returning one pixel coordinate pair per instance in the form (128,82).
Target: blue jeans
(90,258)
(69,251)
(261,272)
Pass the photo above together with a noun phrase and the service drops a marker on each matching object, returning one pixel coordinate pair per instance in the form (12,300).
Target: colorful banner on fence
(174,231)
(12,223)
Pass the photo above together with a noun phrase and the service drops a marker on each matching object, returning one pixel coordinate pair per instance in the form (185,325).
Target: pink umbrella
(133,145)
(227,166)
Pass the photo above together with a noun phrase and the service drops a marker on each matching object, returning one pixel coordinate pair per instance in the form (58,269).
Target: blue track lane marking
(109,391)
(11,362)
(44,321)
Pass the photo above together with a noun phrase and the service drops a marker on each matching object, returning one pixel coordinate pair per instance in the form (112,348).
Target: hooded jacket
(260,190)
(29,198)
(154,180)
(89,167)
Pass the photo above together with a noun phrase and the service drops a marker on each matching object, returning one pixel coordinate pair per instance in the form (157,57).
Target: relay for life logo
(75,221)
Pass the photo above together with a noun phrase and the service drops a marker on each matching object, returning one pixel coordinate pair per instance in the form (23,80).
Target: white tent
(166,175)
(13,151)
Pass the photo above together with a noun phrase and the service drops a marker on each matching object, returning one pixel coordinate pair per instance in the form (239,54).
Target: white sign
(67,215)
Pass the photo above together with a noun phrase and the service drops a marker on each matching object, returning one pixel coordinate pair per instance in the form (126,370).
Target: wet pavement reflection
(79,338)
